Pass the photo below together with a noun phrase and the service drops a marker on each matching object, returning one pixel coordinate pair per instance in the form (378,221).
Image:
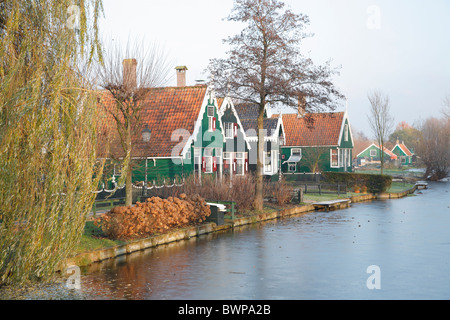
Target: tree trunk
(129,186)
(259,189)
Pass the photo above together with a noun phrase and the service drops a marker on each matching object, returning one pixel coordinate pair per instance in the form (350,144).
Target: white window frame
(297,151)
(346,132)
(341,158)
(240,161)
(229,130)
(290,164)
(371,154)
(267,167)
(212,113)
(331,158)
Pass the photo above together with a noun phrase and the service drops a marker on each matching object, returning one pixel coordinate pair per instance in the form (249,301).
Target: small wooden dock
(332,204)
(421,185)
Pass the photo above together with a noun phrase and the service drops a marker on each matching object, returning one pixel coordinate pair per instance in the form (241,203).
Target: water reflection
(320,255)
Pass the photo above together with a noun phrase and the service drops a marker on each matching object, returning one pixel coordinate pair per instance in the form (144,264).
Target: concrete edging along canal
(88,258)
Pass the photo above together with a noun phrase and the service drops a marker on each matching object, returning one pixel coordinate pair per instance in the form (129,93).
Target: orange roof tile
(314,129)
(405,149)
(164,111)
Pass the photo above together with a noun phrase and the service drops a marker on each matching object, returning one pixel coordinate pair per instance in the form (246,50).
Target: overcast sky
(400,47)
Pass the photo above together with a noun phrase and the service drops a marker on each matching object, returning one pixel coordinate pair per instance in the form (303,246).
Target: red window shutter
(215,164)
(234,165)
(203,164)
(235,127)
(214,124)
(246,165)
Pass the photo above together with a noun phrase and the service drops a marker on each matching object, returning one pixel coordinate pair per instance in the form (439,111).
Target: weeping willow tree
(48,166)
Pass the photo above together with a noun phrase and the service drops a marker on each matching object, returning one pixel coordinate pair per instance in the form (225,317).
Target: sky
(401,47)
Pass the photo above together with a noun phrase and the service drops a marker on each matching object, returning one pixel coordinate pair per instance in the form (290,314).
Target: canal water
(318,255)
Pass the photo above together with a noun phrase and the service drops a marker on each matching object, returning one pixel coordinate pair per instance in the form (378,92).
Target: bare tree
(127,75)
(434,147)
(446,110)
(380,120)
(265,67)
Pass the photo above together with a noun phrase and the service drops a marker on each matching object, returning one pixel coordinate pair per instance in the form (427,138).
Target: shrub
(281,191)
(374,183)
(241,191)
(155,215)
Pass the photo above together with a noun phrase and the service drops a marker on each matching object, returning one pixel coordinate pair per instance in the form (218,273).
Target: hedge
(374,183)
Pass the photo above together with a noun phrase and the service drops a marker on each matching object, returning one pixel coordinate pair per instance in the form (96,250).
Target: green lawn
(404,171)
(398,187)
(93,239)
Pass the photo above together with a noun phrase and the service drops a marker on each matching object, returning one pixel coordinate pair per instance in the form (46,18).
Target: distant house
(316,142)
(180,133)
(405,156)
(372,154)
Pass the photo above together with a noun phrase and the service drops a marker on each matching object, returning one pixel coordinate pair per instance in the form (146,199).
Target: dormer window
(146,134)
(211,119)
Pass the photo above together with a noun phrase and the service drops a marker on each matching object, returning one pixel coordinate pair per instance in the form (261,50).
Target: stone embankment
(88,258)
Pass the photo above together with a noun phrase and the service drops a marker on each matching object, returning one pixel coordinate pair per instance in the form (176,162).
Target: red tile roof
(314,129)
(389,152)
(404,149)
(164,111)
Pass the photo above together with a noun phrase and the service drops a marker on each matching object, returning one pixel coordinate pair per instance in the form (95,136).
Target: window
(373,153)
(403,159)
(292,167)
(346,132)
(210,111)
(211,123)
(334,158)
(211,119)
(227,155)
(208,160)
(240,163)
(229,130)
(341,157)
(267,162)
(296,152)
(349,157)
(219,152)
(188,155)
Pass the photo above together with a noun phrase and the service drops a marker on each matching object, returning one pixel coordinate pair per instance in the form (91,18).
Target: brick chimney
(181,76)
(129,73)
(301,106)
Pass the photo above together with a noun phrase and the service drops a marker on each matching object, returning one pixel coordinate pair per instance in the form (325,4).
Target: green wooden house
(180,134)
(316,142)
(404,154)
(274,136)
(236,147)
(372,154)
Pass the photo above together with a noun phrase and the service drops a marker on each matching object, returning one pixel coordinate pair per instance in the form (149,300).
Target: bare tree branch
(380,120)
